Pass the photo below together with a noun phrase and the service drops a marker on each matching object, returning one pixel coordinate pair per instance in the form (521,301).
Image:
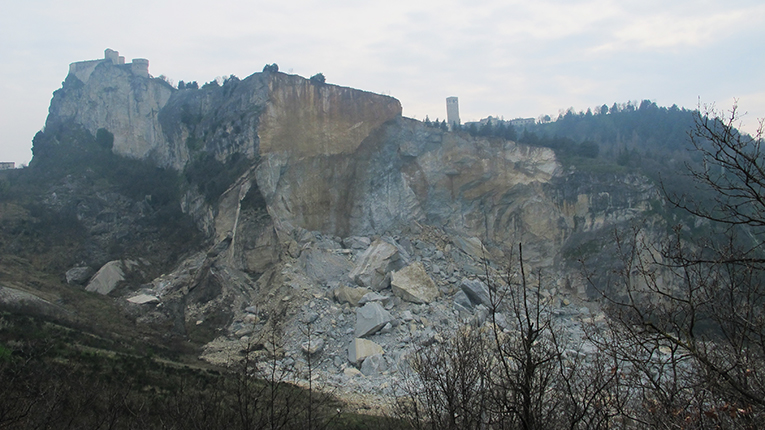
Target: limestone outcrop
(306,119)
(126,105)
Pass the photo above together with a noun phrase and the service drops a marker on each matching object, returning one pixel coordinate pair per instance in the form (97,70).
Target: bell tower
(452,112)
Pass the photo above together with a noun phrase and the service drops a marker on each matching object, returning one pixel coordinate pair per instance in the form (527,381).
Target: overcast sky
(501,58)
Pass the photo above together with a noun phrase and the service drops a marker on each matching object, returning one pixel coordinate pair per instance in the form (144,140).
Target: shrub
(104,138)
(318,78)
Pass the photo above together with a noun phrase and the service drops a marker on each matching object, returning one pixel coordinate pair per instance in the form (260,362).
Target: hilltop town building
(522,122)
(452,112)
(7,165)
(83,69)
(517,123)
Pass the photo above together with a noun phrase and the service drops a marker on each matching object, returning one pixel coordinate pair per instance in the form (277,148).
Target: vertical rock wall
(305,119)
(124,104)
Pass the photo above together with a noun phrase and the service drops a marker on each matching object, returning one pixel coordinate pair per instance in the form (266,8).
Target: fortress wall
(140,67)
(83,69)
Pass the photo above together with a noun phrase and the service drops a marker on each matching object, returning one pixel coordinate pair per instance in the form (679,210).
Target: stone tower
(452,112)
(140,67)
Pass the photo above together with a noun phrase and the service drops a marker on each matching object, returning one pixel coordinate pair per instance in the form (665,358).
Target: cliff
(339,161)
(125,104)
(303,189)
(307,119)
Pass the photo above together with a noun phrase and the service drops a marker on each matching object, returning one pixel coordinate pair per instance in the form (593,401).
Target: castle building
(452,112)
(518,123)
(522,122)
(83,69)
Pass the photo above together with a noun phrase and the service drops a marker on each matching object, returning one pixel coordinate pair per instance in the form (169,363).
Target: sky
(502,58)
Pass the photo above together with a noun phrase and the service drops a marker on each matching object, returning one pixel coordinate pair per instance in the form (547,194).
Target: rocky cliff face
(321,181)
(306,119)
(126,105)
(343,162)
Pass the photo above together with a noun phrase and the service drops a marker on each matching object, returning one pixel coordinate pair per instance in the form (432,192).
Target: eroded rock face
(306,119)
(405,173)
(126,105)
(331,159)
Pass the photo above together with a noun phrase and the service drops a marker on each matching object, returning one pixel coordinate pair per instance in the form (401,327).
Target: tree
(42,145)
(509,132)
(318,78)
(486,129)
(688,311)
(588,149)
(513,367)
(733,171)
(104,138)
(271,68)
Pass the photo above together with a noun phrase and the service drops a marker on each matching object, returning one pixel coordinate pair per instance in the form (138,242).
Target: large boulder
(375,264)
(374,297)
(78,275)
(109,276)
(360,349)
(471,246)
(357,242)
(477,291)
(350,295)
(462,302)
(143,298)
(370,318)
(413,284)
(374,365)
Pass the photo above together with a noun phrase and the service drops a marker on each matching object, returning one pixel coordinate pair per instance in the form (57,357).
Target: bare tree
(449,389)
(687,326)
(518,369)
(733,170)
(544,378)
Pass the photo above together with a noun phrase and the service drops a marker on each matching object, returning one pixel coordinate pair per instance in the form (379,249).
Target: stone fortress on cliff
(83,69)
